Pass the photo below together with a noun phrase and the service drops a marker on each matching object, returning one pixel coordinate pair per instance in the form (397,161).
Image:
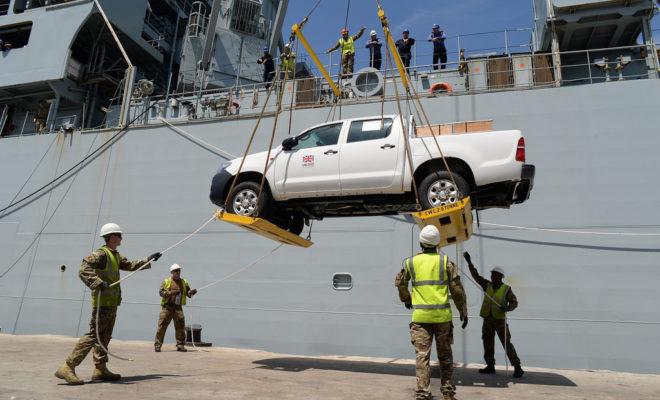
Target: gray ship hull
(586,301)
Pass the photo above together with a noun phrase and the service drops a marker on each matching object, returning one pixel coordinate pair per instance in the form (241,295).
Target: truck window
(327,135)
(369,130)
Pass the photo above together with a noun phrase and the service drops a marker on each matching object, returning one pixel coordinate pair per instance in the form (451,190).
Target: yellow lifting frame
(393,50)
(264,228)
(297,30)
(454,221)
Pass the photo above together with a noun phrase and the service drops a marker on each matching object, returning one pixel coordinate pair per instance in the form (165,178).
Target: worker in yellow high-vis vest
(98,271)
(173,292)
(498,300)
(347,45)
(433,277)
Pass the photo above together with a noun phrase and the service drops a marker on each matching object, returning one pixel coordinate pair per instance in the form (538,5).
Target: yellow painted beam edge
(296,29)
(393,50)
(277,234)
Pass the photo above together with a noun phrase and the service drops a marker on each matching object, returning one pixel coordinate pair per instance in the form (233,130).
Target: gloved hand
(103,286)
(154,257)
(408,305)
(467,258)
(464,319)
(193,292)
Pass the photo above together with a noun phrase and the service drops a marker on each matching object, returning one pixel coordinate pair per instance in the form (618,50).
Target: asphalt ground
(27,364)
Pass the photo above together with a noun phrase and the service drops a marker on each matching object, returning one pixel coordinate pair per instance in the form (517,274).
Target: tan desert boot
(102,373)
(68,373)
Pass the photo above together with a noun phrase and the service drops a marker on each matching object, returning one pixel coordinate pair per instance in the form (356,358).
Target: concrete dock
(27,364)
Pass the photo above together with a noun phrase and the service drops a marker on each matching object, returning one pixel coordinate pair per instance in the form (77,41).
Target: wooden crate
(455,128)
(500,73)
(543,72)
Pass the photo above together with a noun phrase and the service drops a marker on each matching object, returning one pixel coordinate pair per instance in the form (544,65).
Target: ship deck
(28,362)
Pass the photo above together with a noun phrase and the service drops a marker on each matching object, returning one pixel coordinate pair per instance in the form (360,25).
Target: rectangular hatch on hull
(264,228)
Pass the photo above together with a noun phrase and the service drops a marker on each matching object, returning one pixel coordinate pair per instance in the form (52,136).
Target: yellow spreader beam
(393,50)
(264,228)
(296,29)
(454,221)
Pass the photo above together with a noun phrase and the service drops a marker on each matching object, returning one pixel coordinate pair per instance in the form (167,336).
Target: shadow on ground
(462,376)
(129,380)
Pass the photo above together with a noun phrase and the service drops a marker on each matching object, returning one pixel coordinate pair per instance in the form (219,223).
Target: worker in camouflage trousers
(98,271)
(433,278)
(498,301)
(173,292)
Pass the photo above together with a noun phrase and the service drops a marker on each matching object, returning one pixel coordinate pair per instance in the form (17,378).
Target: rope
(403,129)
(238,271)
(569,231)
(207,145)
(348,9)
(36,248)
(98,298)
(309,14)
(278,111)
(101,148)
(249,145)
(31,174)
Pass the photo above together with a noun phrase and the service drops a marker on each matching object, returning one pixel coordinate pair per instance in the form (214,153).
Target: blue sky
(454,16)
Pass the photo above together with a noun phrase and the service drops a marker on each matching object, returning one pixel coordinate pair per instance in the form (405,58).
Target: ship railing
(497,73)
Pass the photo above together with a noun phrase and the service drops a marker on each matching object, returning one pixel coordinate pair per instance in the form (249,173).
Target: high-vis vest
(111,297)
(430,288)
(167,283)
(490,307)
(347,45)
(288,62)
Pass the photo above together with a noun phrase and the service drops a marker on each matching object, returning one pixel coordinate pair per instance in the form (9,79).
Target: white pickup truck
(358,167)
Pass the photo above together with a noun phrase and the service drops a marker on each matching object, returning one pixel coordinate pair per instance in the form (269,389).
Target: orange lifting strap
(264,228)
(454,221)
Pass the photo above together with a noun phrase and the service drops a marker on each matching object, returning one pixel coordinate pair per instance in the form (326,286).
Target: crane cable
(73,179)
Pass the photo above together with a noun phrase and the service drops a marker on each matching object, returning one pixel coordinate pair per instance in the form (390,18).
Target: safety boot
(517,371)
(68,373)
(490,369)
(448,393)
(102,373)
(181,348)
(157,348)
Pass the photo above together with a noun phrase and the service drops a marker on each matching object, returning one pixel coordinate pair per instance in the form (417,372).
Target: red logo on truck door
(308,161)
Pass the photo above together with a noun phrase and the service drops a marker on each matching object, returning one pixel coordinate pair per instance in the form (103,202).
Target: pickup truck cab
(359,167)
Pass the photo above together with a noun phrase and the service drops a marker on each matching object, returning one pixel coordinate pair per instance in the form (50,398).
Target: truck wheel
(437,189)
(244,200)
(292,222)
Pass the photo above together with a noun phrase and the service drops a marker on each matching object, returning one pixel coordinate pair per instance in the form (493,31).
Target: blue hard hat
(436,26)
(406,31)
(265,48)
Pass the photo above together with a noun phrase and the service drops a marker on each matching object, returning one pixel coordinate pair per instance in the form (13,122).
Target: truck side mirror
(289,143)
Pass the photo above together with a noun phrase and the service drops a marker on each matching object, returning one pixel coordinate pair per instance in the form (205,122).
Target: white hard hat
(430,236)
(110,228)
(175,267)
(373,33)
(287,45)
(498,270)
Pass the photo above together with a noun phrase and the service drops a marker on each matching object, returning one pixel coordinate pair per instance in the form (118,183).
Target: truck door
(312,165)
(369,158)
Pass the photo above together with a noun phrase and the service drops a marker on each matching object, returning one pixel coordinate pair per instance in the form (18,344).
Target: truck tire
(245,200)
(293,222)
(437,189)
